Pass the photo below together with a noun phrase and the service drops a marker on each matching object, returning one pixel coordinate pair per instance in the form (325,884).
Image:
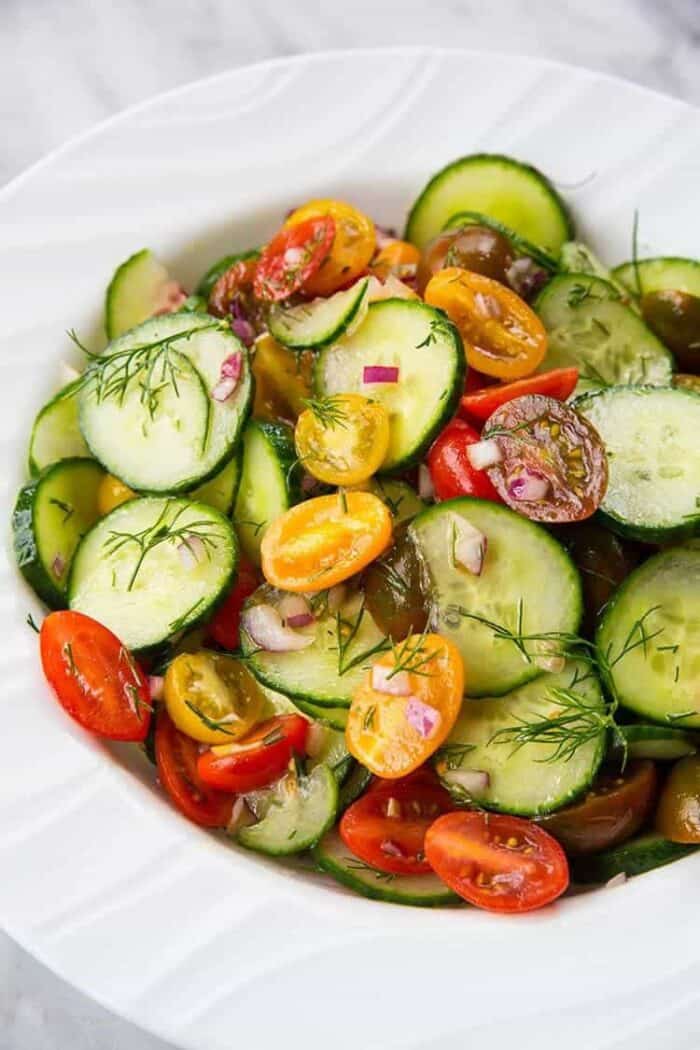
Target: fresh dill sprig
(439,327)
(346,633)
(635,254)
(329,411)
(453,755)
(368,720)
(211,723)
(180,621)
(680,716)
(580,293)
(68,511)
(412,656)
(132,688)
(256,526)
(392,504)
(355,864)
(31,622)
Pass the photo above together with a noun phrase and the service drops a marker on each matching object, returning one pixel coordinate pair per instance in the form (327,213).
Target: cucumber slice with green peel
(312,674)
(651,438)
(135,292)
(521,244)
(588,327)
(194,304)
(321,322)
(402,500)
(665,273)
(577,257)
(634,857)
(152,568)
(269,482)
(428,891)
(302,811)
(219,268)
(424,348)
(662,743)
(56,432)
(334,717)
(220,492)
(514,193)
(331,751)
(358,780)
(526,778)
(146,410)
(474,612)
(51,515)
(651,634)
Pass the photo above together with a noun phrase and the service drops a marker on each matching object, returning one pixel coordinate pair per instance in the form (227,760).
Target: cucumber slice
(220,267)
(311,674)
(194,304)
(427,350)
(427,891)
(590,328)
(269,482)
(134,293)
(334,717)
(528,779)
(660,274)
(662,743)
(657,677)
(514,193)
(521,244)
(129,571)
(301,812)
(577,257)
(320,322)
(51,515)
(510,591)
(56,432)
(357,782)
(651,438)
(402,500)
(332,752)
(631,858)
(220,492)
(179,436)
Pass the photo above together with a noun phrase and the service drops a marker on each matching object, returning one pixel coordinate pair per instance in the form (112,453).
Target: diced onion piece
(300,620)
(240,816)
(470,780)
(242,327)
(469,545)
(292,605)
(155,686)
(228,379)
(58,565)
(528,485)
(484,454)
(617,880)
(170,298)
(264,625)
(426,489)
(191,551)
(391,849)
(424,718)
(380,374)
(396,685)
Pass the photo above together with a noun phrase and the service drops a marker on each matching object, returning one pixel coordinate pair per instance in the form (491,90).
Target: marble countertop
(65,66)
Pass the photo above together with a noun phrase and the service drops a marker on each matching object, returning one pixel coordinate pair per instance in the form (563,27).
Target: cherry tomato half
(96,679)
(351,249)
(386,827)
(399,258)
(256,760)
(292,257)
(603,560)
(112,493)
(450,470)
(343,439)
(176,760)
(283,380)
(478,249)
(675,318)
(678,815)
(497,862)
(233,283)
(560,383)
(394,592)
(224,625)
(211,696)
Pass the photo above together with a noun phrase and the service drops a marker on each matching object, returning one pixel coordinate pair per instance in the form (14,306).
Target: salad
(382,547)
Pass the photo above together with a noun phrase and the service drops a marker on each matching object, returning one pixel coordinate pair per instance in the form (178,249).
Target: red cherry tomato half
(450,470)
(223,627)
(386,827)
(497,862)
(176,759)
(292,257)
(558,383)
(257,759)
(95,678)
(478,381)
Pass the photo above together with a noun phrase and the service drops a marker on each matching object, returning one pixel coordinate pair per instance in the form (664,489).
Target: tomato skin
(477,381)
(276,277)
(678,815)
(176,760)
(348,448)
(394,840)
(224,625)
(96,679)
(450,470)
(112,493)
(469,851)
(394,591)
(351,249)
(242,771)
(558,383)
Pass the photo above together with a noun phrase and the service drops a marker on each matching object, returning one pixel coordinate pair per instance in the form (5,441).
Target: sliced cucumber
(321,322)
(179,436)
(514,193)
(651,438)
(134,293)
(402,500)
(657,677)
(331,751)
(356,783)
(194,304)
(269,482)
(133,574)
(51,515)
(219,268)
(642,854)
(528,586)
(427,350)
(312,674)
(665,273)
(220,492)
(590,328)
(521,244)
(301,812)
(529,779)
(427,891)
(334,717)
(662,743)
(56,431)
(577,257)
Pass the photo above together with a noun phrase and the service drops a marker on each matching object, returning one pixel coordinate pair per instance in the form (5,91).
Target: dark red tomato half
(450,470)
(257,759)
(95,678)
(558,383)
(497,862)
(224,625)
(176,759)
(292,257)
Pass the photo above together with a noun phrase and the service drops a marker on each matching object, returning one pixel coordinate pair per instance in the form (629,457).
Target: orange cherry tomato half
(223,627)
(176,759)
(392,733)
(560,383)
(398,257)
(386,827)
(292,257)
(502,336)
(96,679)
(256,760)
(351,250)
(497,862)
(324,541)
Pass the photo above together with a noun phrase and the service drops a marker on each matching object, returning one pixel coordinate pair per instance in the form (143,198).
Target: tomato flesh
(176,759)
(292,257)
(450,470)
(224,625)
(394,592)
(96,679)
(678,815)
(258,759)
(559,383)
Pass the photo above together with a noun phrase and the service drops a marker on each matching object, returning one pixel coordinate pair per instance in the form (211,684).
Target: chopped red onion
(528,485)
(191,551)
(240,816)
(336,597)
(426,490)
(391,849)
(308,483)
(396,685)
(291,605)
(470,545)
(264,625)
(229,376)
(484,454)
(424,718)
(58,565)
(526,277)
(617,880)
(300,620)
(171,297)
(242,327)
(469,780)
(155,686)
(380,374)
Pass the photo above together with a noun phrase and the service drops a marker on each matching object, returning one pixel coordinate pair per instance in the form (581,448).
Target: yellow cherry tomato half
(282,380)
(406,706)
(342,439)
(212,697)
(324,541)
(112,493)
(352,249)
(397,257)
(501,334)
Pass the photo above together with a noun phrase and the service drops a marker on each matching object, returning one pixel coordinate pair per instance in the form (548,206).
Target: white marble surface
(65,64)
